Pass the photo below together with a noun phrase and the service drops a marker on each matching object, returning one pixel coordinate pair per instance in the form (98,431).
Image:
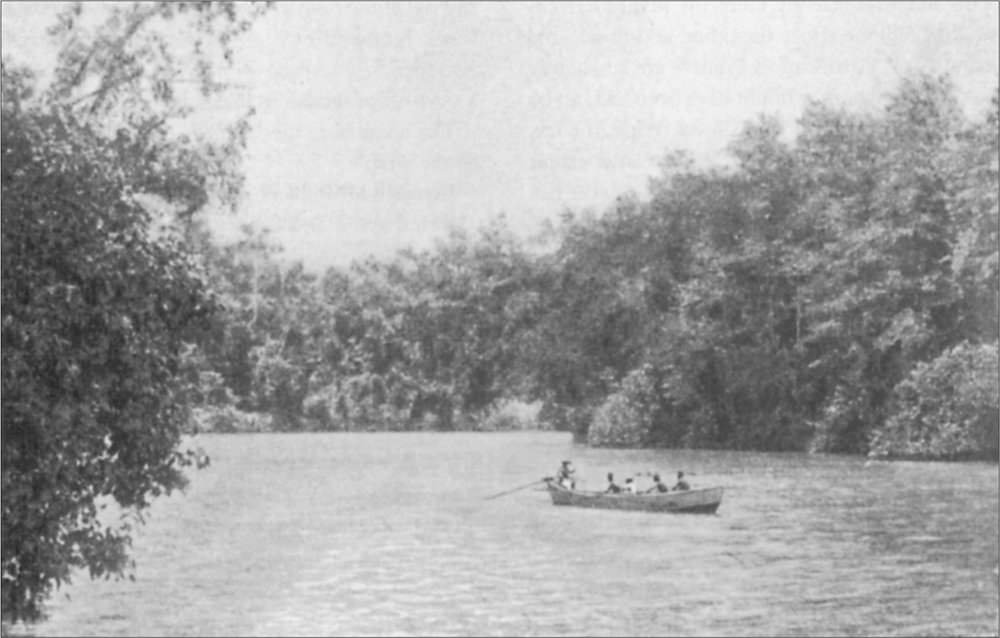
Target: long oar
(647,473)
(516,489)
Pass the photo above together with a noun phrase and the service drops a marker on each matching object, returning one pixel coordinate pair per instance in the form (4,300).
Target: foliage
(100,292)
(227,419)
(945,408)
(510,416)
(628,416)
(774,304)
(836,292)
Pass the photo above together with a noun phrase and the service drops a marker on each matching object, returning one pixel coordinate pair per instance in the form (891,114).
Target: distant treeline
(837,293)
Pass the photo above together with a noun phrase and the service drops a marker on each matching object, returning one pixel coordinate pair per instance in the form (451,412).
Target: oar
(517,489)
(686,473)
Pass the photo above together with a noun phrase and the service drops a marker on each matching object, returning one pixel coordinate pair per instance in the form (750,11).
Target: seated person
(681,483)
(630,485)
(612,488)
(658,485)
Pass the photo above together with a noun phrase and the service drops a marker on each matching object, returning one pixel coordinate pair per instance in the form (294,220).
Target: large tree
(99,290)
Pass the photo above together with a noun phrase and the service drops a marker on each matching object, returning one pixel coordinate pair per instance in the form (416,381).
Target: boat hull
(705,501)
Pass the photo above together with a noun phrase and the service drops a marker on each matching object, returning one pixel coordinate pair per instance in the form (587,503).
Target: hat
(567,462)
(628,480)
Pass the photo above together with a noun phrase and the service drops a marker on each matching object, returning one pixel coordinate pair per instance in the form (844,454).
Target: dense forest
(836,293)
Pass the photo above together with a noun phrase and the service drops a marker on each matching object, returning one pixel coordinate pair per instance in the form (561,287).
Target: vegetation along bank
(835,292)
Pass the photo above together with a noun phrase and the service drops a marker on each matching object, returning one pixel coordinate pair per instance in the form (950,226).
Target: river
(390,534)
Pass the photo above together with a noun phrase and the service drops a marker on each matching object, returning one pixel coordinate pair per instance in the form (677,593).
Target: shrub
(618,423)
(511,415)
(946,408)
(227,419)
(627,417)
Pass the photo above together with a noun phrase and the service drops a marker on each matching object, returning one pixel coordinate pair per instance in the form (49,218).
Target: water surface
(389,534)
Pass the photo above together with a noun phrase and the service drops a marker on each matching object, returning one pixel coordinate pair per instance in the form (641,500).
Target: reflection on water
(389,534)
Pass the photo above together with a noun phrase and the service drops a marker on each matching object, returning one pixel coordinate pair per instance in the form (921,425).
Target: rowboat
(704,501)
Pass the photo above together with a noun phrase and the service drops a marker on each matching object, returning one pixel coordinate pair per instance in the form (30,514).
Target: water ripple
(389,535)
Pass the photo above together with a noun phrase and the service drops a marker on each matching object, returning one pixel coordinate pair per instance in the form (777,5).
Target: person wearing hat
(612,486)
(658,485)
(564,475)
(681,483)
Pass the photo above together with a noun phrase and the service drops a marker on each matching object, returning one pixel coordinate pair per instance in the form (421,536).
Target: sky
(381,126)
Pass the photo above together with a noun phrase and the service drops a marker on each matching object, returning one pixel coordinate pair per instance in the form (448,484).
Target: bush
(510,416)
(626,419)
(618,423)
(945,409)
(227,419)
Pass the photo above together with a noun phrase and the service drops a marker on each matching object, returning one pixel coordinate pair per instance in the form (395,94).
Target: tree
(425,340)
(99,290)
(946,408)
(885,293)
(784,300)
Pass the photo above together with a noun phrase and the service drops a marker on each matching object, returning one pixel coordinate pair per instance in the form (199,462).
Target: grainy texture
(389,534)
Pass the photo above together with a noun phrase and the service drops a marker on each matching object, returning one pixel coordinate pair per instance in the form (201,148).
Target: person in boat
(658,485)
(612,486)
(564,475)
(630,485)
(682,485)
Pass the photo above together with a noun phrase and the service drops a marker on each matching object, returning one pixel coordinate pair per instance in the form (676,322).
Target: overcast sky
(382,125)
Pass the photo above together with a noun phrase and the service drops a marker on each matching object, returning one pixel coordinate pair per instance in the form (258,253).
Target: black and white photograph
(500,319)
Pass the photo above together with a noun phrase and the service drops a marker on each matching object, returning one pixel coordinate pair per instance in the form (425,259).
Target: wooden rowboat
(704,501)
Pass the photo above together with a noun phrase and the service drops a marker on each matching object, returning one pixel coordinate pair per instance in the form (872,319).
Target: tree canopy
(777,303)
(100,287)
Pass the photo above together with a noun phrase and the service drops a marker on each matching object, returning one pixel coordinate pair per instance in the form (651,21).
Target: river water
(390,534)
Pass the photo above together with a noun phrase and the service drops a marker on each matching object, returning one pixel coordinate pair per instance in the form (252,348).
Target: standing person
(629,485)
(658,485)
(612,487)
(681,483)
(564,475)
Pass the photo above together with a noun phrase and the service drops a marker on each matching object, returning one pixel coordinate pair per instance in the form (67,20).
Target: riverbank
(235,422)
